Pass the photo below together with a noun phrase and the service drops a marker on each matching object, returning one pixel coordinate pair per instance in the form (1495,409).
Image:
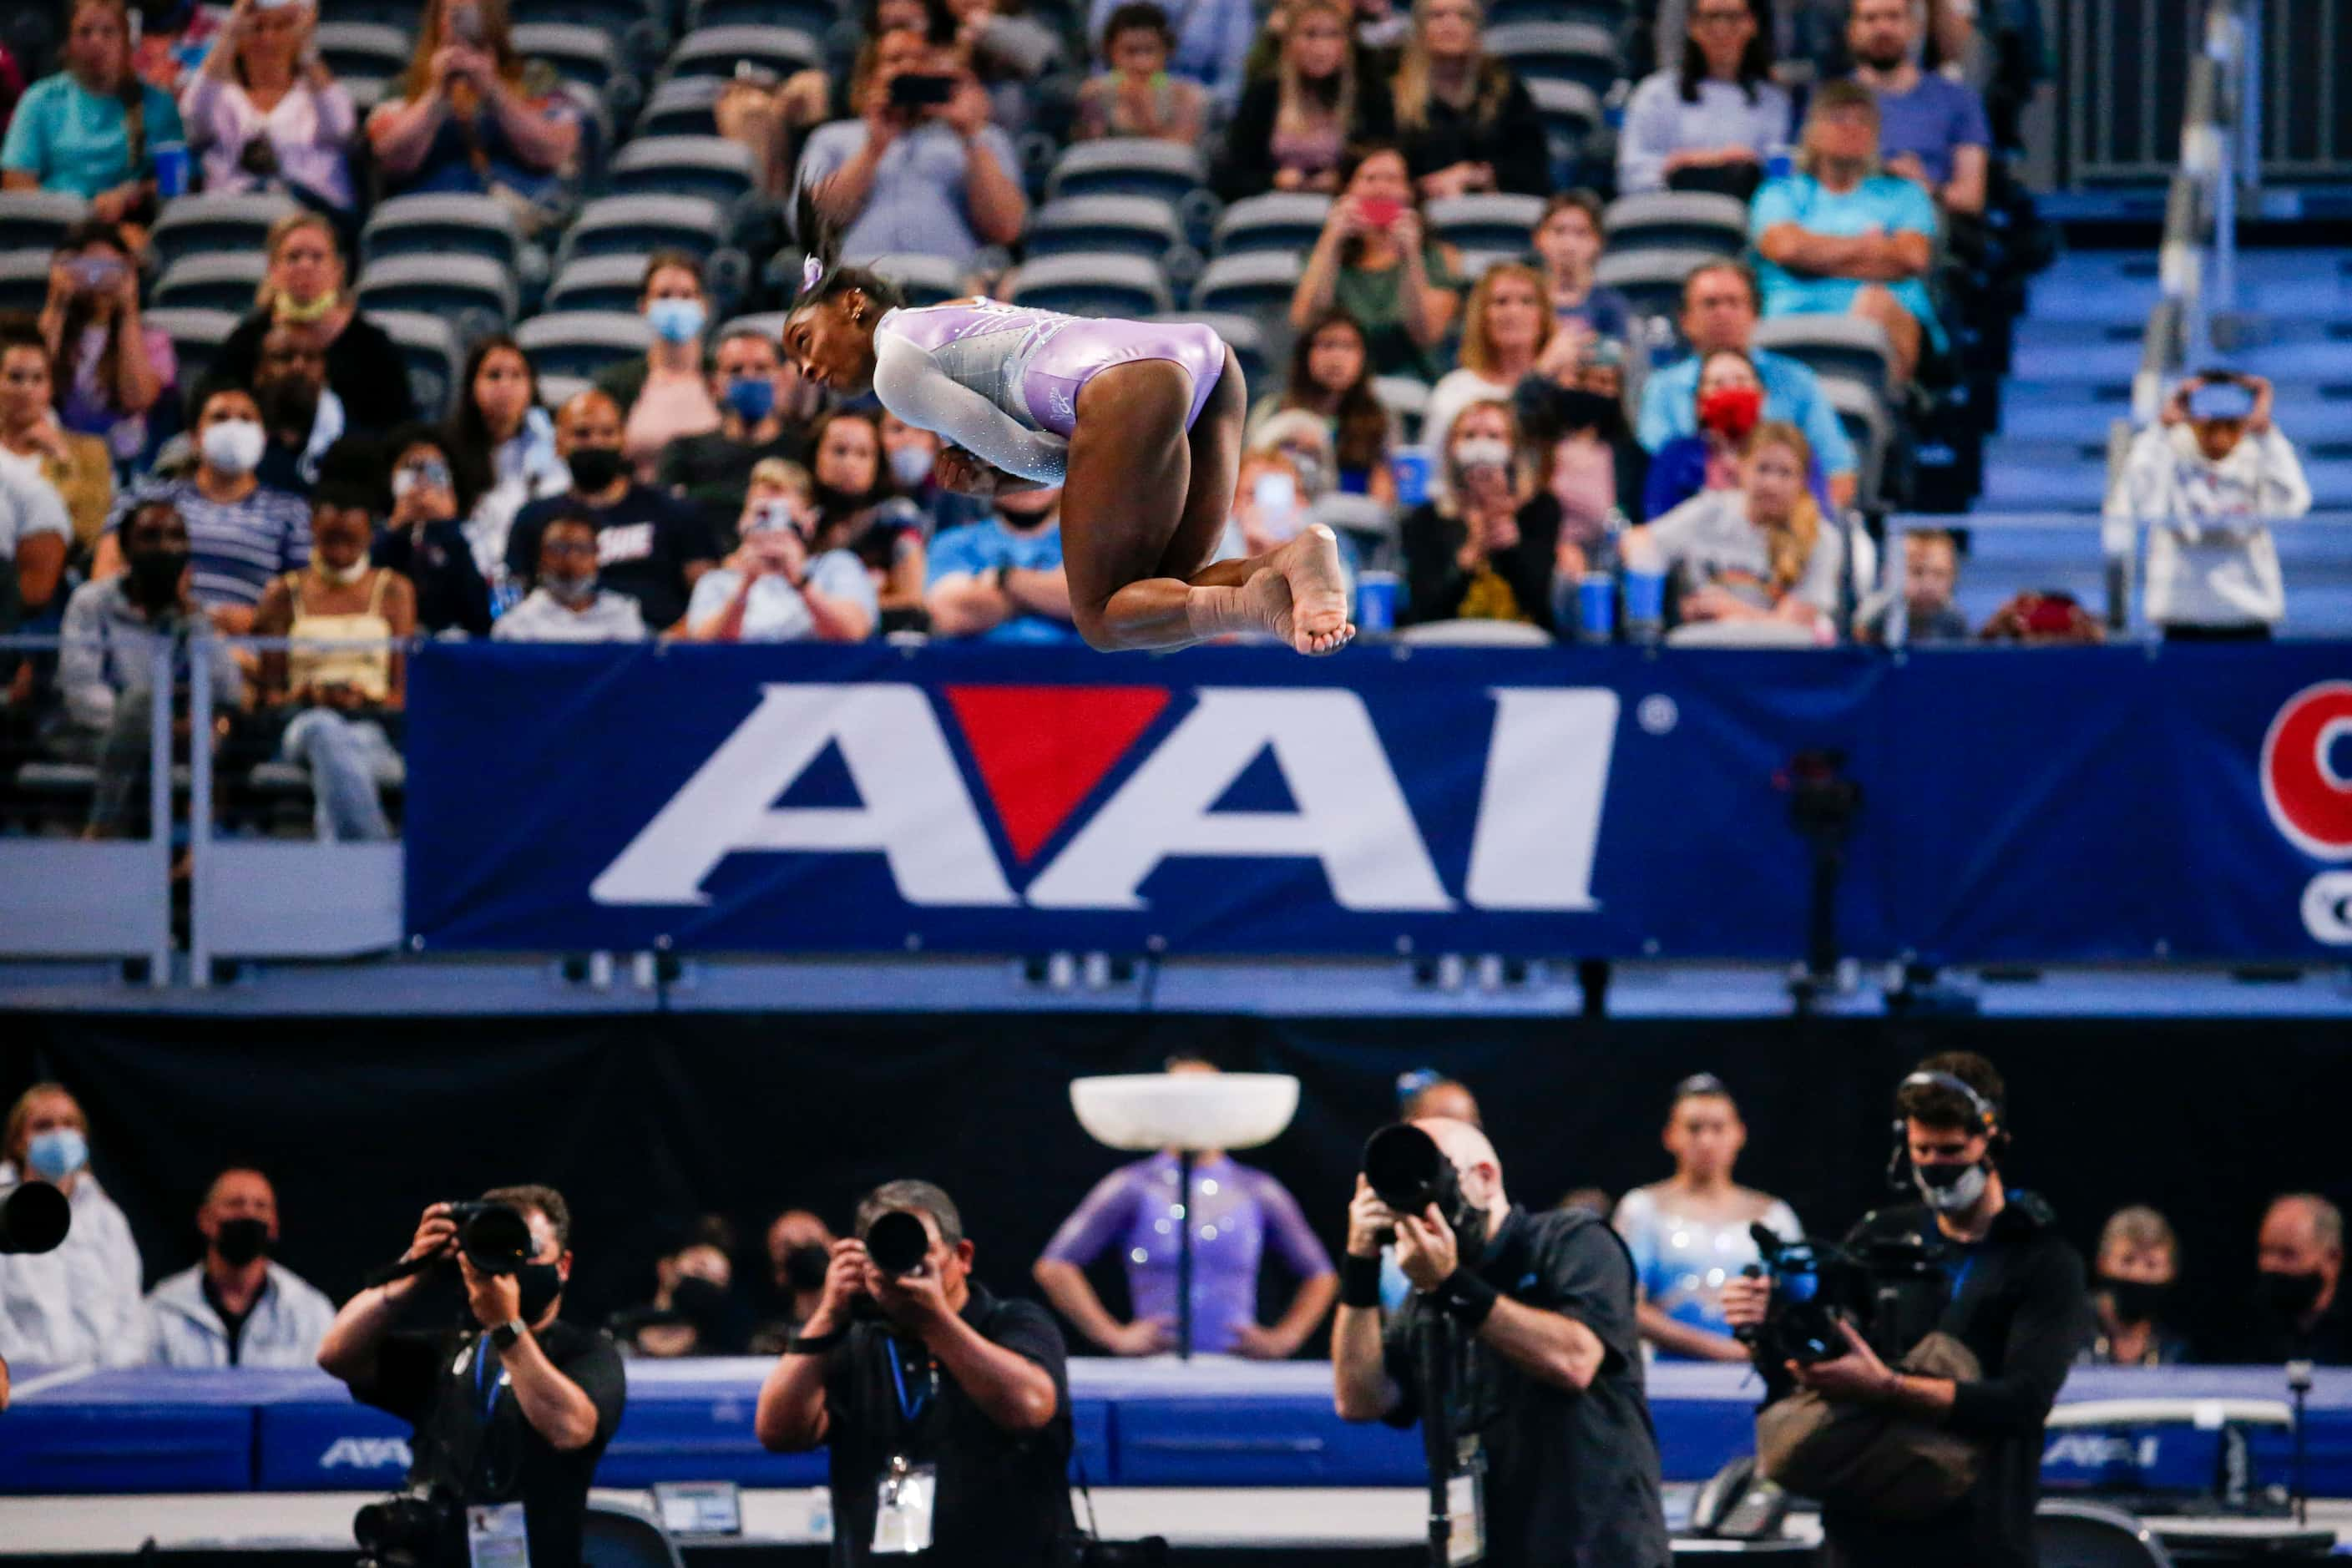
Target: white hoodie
(288,1320)
(2212,562)
(77,1306)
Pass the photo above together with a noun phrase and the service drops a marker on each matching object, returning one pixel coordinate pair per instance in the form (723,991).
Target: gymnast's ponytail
(822,276)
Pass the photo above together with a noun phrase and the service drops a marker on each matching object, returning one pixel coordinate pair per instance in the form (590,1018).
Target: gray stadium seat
(1834,345)
(555,391)
(1126,225)
(196,224)
(433,353)
(582,342)
(1476,634)
(1570,111)
(219,281)
(709,166)
(1651,280)
(715,51)
(1128,166)
(2070,1534)
(1677,220)
(578,54)
(769,324)
(37,220)
(371,49)
(196,337)
(637,24)
(1560,51)
(686,105)
(1475,263)
(1872,428)
(631,226)
(1489,221)
(1096,283)
(25,281)
(1375,528)
(1279,220)
(1245,335)
(1250,284)
(474,291)
(814,17)
(441,224)
(1409,400)
(926,280)
(597,283)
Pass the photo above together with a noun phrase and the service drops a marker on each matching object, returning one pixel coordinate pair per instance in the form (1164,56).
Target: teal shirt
(70,140)
(1881,204)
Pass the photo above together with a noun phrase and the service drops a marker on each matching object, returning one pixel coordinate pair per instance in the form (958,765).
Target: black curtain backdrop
(645,1122)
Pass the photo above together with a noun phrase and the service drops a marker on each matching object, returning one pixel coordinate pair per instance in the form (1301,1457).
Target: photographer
(945,1411)
(511,1411)
(2007,1287)
(1547,1398)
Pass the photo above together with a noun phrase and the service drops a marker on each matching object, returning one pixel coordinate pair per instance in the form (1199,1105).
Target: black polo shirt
(1003,1498)
(443,1383)
(1571,1479)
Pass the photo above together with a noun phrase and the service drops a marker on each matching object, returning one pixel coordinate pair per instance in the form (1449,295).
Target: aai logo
(2309,797)
(366,1454)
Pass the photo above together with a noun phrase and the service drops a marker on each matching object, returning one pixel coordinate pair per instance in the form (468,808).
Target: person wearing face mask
(1757,564)
(695,1309)
(770,589)
(242,534)
(2011,1289)
(758,398)
(800,1252)
(1546,1400)
(2137,1268)
(568,604)
(341,685)
(1000,579)
(1571,410)
(1506,329)
(650,545)
(307,286)
(424,540)
(1486,548)
(237,1307)
(77,1306)
(664,395)
(516,1406)
(1729,404)
(912,454)
(299,412)
(2298,1311)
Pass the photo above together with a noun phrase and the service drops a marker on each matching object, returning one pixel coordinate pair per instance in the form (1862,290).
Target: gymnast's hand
(965,475)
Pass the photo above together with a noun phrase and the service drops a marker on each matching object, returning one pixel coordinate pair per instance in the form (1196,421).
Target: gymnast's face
(831,342)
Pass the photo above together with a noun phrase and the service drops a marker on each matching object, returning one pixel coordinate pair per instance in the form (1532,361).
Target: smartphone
(1275,493)
(1380,211)
(95,274)
(914,90)
(465,25)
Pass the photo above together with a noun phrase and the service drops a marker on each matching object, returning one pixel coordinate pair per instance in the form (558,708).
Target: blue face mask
(752,398)
(675,320)
(58,1153)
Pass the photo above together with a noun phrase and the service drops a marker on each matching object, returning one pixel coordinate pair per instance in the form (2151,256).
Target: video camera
(409,1528)
(1877,1284)
(1409,1172)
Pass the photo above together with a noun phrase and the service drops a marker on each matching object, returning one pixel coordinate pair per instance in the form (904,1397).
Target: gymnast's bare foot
(1305,593)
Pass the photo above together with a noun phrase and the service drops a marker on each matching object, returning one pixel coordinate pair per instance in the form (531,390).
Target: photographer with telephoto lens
(1523,1326)
(1975,1273)
(512,1409)
(944,1410)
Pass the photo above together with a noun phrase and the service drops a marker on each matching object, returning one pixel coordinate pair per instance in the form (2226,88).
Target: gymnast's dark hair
(820,237)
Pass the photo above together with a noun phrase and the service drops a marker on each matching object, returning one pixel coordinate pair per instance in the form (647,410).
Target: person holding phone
(464,120)
(108,367)
(265,113)
(1375,261)
(773,588)
(1134,95)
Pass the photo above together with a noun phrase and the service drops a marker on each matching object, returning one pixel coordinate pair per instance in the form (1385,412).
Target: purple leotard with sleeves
(1003,381)
(1238,1211)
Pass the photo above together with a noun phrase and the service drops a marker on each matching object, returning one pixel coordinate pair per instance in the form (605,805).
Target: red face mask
(1731,412)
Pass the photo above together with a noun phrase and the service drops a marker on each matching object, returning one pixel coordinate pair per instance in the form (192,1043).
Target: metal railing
(2129,82)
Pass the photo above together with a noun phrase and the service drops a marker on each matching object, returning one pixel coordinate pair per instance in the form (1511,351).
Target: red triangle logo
(1042,749)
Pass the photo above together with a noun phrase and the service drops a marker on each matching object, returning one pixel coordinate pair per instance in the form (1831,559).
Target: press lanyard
(485,1382)
(1960,1275)
(910,1408)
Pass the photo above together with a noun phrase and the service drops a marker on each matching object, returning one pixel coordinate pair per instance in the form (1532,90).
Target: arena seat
(597,283)
(1832,345)
(1375,528)
(1570,112)
(432,352)
(1476,634)
(377,50)
(555,391)
(218,281)
(1871,430)
(1678,221)
(1408,399)
(1279,220)
(1141,227)
(814,17)
(632,225)
(1255,283)
(1092,283)
(710,166)
(1128,166)
(441,224)
(686,105)
(1560,51)
(37,220)
(196,334)
(472,290)
(1491,220)
(25,281)
(715,51)
(199,224)
(579,53)
(617,1535)
(1650,280)
(581,342)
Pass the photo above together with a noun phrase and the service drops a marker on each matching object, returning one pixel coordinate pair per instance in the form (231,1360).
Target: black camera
(1879,1284)
(1409,1172)
(897,1242)
(409,1528)
(495,1238)
(34,1218)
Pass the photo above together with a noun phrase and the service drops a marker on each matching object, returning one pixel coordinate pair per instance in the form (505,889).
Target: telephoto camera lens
(898,1243)
(1404,1164)
(495,1238)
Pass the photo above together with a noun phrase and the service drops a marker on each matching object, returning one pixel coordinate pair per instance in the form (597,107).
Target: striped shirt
(235,548)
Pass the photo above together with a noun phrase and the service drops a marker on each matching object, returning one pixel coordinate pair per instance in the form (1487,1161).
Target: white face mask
(234,446)
(341,577)
(1482,452)
(1955,1195)
(910,465)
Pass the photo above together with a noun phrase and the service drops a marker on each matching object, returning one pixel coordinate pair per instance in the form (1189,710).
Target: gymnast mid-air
(1138,422)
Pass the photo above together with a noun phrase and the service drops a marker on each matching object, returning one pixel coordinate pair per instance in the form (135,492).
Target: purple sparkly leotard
(1003,381)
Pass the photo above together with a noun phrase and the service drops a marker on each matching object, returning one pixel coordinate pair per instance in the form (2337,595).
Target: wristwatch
(505,1333)
(1001,571)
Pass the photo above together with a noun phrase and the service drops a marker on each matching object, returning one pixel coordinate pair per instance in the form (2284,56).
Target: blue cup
(1779,166)
(170,170)
(1596,606)
(1376,602)
(1410,469)
(1645,603)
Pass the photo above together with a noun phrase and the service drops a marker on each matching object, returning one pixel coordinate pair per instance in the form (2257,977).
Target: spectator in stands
(566,604)
(1931,572)
(106,669)
(92,129)
(423,541)
(1212,43)
(174,37)
(1730,403)
(1688,1233)
(2298,1312)
(676,308)
(1931,128)
(694,1309)
(501,447)
(1465,119)
(265,114)
(1007,53)
(1841,238)
(11,93)
(1759,555)
(1713,123)
(913,454)
(769,589)
(2044,618)
(936,180)
(1484,549)
(1719,305)
(1240,1210)
(107,366)
(463,119)
(1330,377)
(76,1307)
(307,287)
(2133,1275)
(34,445)
(244,534)
(1134,94)
(235,1307)
(650,545)
(1505,330)
(2207,479)
(1571,414)
(818,96)
(750,386)
(299,412)
(859,510)
(1294,126)
(800,1250)
(340,703)
(1375,261)
(1568,242)
(1000,579)
(35,533)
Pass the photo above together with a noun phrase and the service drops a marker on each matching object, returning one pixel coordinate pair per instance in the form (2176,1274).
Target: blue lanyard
(910,1408)
(1960,1275)
(485,1382)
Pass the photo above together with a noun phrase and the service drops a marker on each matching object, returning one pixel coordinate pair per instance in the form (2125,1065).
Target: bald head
(2306,1230)
(589,418)
(1445,1098)
(1474,1157)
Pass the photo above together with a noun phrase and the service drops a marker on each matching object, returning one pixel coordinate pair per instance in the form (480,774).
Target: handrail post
(200,800)
(158,796)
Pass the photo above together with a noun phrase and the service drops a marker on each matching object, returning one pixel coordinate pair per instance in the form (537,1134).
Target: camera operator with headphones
(511,1411)
(1998,1279)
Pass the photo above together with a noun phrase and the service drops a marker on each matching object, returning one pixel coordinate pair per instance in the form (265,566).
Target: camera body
(410,1528)
(1878,1282)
